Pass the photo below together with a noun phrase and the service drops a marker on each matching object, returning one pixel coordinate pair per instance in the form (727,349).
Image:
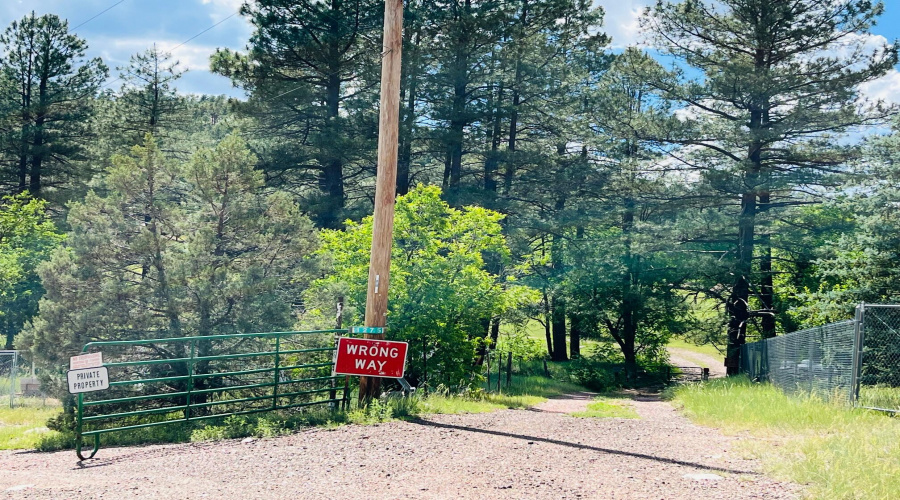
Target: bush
(522,346)
(595,375)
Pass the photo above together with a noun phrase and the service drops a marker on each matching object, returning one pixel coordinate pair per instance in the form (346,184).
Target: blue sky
(132,26)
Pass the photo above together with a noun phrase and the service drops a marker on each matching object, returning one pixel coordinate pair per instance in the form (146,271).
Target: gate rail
(190,388)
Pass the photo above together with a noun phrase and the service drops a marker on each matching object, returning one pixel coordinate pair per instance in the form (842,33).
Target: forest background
(731,178)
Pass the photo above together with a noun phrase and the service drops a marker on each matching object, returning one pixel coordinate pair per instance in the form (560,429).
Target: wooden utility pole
(385,183)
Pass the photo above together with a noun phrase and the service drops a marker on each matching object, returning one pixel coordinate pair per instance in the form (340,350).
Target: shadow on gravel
(581,446)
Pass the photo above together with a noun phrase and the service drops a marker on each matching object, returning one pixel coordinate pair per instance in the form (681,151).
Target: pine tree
(311,71)
(49,85)
(778,80)
(168,250)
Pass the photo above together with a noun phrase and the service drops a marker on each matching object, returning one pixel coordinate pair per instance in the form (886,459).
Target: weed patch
(839,452)
(604,407)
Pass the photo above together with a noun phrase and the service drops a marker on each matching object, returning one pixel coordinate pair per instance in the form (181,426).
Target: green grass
(523,392)
(838,452)
(707,349)
(874,396)
(607,407)
(25,427)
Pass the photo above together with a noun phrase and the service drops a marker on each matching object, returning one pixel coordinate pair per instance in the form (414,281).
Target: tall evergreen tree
(310,69)
(148,101)
(48,85)
(777,80)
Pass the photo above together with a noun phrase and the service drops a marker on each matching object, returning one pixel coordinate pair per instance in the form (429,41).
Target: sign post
(385,183)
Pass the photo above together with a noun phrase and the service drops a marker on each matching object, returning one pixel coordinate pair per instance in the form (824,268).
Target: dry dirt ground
(536,453)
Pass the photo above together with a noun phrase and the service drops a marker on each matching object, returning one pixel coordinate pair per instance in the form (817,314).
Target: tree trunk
(548,320)
(37,150)
(574,335)
(630,357)
(331,178)
(738,304)
(409,96)
(559,328)
(458,119)
(492,159)
(559,302)
(767,285)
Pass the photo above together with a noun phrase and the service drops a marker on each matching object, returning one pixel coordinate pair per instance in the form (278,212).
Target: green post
(190,381)
(78,426)
(277,377)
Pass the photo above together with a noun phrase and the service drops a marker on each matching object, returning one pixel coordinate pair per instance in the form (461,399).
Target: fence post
(856,365)
(277,371)
(12,379)
(499,369)
(705,375)
(546,371)
(487,356)
(812,353)
(508,369)
(190,380)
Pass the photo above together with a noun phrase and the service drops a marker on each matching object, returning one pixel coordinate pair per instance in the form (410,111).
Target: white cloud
(621,20)
(116,52)
(886,88)
(222,8)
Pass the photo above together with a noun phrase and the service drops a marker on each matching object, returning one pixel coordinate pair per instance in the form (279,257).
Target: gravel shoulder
(538,453)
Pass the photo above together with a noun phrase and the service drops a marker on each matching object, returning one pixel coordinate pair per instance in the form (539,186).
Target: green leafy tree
(778,80)
(440,291)
(172,250)
(49,85)
(27,236)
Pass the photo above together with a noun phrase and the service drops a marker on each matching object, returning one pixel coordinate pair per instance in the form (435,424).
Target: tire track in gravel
(540,453)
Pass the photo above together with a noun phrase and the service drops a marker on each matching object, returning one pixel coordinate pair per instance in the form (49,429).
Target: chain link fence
(9,377)
(878,384)
(856,360)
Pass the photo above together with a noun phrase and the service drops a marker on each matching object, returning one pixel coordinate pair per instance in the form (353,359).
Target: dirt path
(536,453)
(684,357)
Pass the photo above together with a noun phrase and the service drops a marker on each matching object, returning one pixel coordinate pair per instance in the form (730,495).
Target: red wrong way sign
(370,358)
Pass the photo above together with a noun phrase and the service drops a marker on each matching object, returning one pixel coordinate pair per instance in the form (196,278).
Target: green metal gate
(164,381)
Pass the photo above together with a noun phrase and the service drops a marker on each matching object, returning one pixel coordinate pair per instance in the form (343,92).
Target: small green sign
(367,329)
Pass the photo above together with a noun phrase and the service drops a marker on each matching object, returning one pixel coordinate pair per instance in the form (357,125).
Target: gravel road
(538,453)
(685,357)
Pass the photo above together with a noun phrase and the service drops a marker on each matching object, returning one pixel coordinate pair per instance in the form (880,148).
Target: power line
(207,29)
(107,85)
(97,15)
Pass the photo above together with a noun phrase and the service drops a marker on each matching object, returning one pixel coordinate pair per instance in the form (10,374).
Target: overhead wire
(95,16)
(109,84)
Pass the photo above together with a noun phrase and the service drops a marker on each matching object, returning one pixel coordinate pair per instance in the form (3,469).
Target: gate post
(856,366)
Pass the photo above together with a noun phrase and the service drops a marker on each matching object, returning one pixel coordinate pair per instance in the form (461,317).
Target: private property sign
(87,373)
(88,379)
(370,358)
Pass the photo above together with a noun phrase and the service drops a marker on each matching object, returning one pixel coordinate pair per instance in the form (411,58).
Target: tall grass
(877,396)
(839,452)
(24,427)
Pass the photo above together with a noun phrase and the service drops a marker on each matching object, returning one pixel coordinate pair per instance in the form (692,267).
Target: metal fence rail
(856,360)
(163,381)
